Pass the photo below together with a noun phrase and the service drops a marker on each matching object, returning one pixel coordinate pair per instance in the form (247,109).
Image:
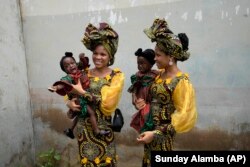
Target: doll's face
(143,64)
(69,65)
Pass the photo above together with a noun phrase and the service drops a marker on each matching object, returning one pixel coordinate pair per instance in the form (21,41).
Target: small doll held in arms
(141,82)
(76,72)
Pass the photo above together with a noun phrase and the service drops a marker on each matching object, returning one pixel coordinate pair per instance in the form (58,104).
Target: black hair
(169,31)
(67,54)
(184,41)
(148,54)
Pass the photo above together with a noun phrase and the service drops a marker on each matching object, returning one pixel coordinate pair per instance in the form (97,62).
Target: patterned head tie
(104,35)
(173,45)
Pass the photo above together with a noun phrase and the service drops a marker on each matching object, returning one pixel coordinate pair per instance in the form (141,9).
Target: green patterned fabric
(160,33)
(144,80)
(103,35)
(139,80)
(82,100)
(95,149)
(149,124)
(67,78)
(159,120)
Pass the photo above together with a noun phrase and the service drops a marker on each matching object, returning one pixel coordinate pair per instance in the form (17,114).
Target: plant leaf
(44,155)
(57,157)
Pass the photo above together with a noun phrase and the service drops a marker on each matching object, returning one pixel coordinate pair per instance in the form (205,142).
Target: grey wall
(219,46)
(16,131)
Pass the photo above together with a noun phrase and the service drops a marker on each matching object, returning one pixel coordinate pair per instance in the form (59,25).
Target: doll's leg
(70,131)
(74,123)
(93,121)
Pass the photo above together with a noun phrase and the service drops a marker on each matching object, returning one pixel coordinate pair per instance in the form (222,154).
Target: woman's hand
(145,137)
(72,105)
(140,103)
(77,89)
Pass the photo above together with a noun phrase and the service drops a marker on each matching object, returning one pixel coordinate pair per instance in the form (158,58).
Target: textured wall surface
(219,46)
(218,67)
(16,131)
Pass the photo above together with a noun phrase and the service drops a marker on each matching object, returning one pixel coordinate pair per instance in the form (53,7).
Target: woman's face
(161,59)
(69,65)
(143,64)
(100,57)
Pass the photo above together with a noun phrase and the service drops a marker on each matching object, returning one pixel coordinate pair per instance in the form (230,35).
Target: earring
(170,62)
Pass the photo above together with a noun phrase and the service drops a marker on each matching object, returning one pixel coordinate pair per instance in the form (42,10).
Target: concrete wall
(219,46)
(16,131)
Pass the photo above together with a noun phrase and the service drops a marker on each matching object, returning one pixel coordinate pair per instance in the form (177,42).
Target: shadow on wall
(56,118)
(129,152)
(214,138)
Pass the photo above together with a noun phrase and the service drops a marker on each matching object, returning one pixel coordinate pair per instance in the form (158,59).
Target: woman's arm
(72,105)
(185,116)
(110,94)
(77,89)
(146,137)
(140,103)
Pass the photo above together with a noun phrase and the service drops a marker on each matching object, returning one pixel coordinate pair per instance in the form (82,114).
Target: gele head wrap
(169,43)
(104,35)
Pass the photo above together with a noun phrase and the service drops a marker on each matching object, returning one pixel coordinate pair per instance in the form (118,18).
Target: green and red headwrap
(103,35)
(169,43)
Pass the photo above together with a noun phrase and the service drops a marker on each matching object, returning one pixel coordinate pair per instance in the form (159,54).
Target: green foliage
(49,158)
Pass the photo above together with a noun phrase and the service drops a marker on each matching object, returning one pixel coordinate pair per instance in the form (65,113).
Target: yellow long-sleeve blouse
(109,91)
(185,115)
(110,94)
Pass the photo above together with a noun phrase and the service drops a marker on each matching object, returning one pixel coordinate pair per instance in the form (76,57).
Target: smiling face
(70,65)
(161,59)
(143,64)
(100,57)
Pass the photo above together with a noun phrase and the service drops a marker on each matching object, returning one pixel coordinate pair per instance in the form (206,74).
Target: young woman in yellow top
(173,104)
(103,96)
